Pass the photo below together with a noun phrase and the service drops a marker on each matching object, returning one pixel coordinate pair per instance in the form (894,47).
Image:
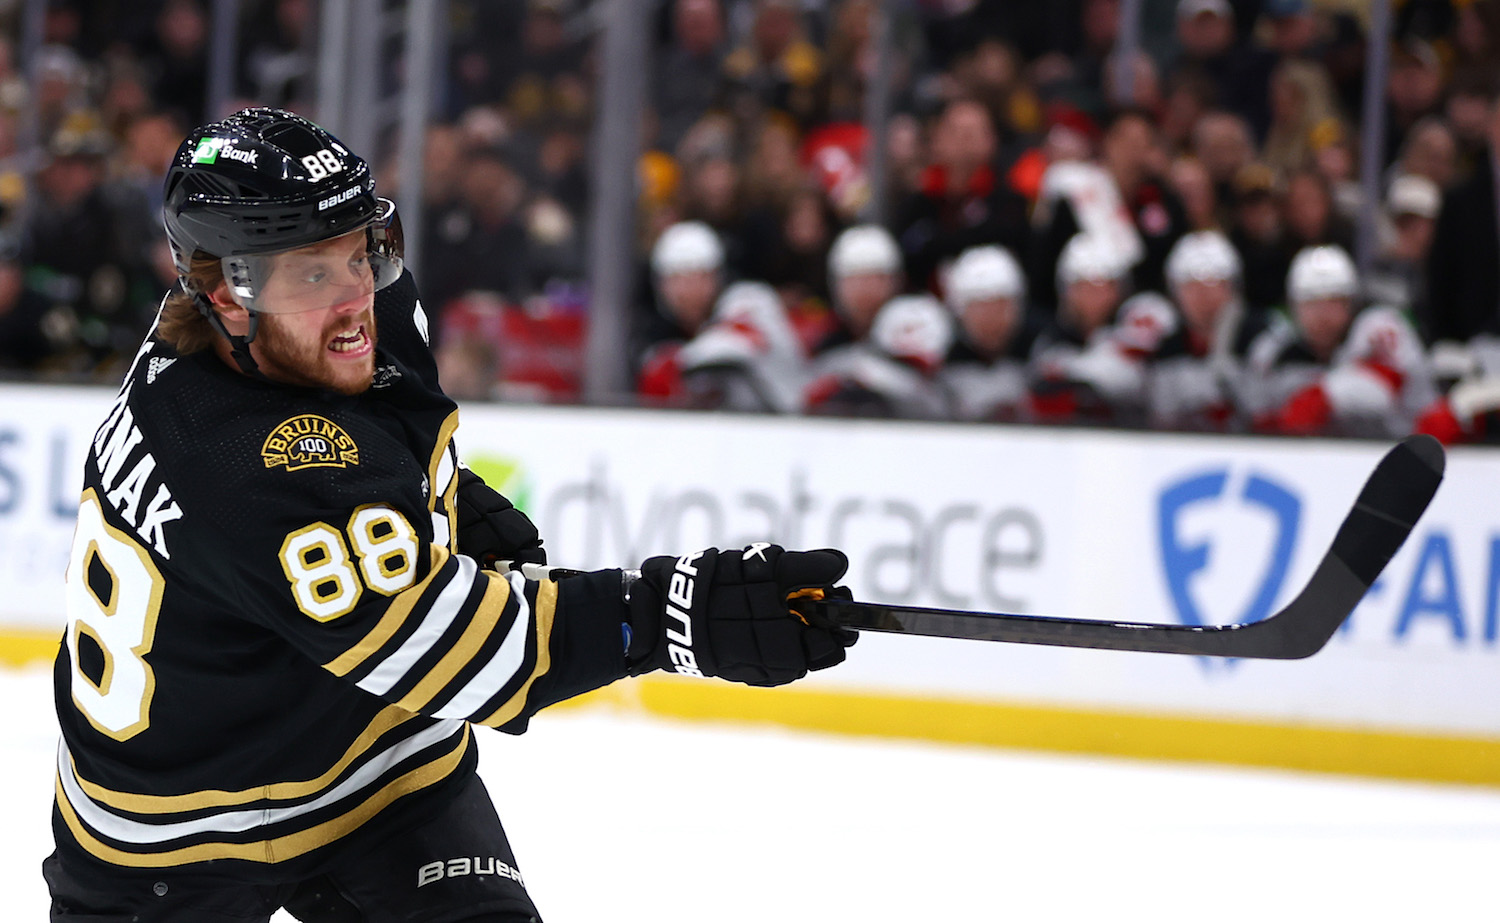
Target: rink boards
(1121,526)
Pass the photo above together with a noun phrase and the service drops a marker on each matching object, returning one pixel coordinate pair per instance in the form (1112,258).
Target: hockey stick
(1392,500)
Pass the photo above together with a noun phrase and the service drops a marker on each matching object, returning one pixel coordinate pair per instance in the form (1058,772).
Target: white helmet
(982,273)
(915,328)
(1205,256)
(1321,272)
(1087,258)
(688,246)
(861,249)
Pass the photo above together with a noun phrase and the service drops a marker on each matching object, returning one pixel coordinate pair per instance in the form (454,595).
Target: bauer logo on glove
(725,613)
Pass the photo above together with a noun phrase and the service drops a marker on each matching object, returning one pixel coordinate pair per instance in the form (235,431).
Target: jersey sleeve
(429,630)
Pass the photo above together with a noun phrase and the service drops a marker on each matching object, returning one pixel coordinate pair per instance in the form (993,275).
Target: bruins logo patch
(309,441)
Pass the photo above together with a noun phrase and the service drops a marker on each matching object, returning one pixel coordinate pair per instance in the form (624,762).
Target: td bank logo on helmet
(209,150)
(1184,558)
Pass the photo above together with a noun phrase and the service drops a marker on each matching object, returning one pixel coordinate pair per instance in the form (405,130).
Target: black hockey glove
(490,528)
(724,613)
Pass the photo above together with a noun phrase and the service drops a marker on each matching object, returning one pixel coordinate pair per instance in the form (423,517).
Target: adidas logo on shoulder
(156,366)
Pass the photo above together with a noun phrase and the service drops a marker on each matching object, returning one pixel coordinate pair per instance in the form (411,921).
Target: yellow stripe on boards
(22,648)
(1316,748)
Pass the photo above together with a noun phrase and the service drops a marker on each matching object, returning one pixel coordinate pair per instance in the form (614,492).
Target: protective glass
(317,276)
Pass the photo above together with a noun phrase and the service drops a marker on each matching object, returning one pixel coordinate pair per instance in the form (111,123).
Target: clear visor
(316,276)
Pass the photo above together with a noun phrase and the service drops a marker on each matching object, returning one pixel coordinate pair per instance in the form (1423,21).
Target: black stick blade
(1388,507)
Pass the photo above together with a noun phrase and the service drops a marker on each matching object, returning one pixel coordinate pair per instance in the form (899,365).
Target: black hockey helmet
(264,181)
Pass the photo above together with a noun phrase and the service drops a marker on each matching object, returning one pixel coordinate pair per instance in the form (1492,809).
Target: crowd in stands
(1041,245)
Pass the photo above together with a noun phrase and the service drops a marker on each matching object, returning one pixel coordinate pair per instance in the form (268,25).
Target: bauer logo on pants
(1186,510)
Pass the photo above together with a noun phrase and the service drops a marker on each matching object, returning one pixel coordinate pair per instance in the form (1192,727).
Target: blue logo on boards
(1182,558)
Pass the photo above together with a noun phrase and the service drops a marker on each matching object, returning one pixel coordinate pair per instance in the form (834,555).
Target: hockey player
(1330,370)
(281,633)
(1193,346)
(748,357)
(894,373)
(864,269)
(1078,370)
(687,266)
(986,369)
(1469,409)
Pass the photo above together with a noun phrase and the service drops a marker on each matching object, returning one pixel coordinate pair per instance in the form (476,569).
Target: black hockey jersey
(273,642)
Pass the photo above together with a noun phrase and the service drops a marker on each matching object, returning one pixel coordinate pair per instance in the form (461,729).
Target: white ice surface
(619,819)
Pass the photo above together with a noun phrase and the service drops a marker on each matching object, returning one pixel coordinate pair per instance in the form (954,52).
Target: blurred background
(760,205)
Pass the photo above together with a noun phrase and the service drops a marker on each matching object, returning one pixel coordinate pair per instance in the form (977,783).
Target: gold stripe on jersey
(545,609)
(395,616)
(274,849)
(447,491)
(386,720)
(492,605)
(439,449)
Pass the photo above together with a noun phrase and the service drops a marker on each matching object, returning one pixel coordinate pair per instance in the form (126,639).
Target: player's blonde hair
(182,326)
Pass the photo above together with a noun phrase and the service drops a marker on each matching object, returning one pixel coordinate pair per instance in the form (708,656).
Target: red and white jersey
(1376,383)
(998,391)
(1084,379)
(1191,381)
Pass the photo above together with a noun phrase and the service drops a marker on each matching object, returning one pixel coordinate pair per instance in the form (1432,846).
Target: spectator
(1301,100)
(864,268)
(61,87)
(85,251)
(1078,372)
(1194,188)
(1414,90)
(777,68)
(1328,371)
(962,202)
(688,81)
(1467,113)
(178,61)
(546,79)
(892,374)
(1396,277)
(1293,28)
(1431,150)
(278,64)
(1122,200)
(482,240)
(1221,142)
(1239,73)
(1463,266)
(24,343)
(1260,236)
(985,372)
(1194,346)
(796,262)
(1309,213)
(1189,97)
(687,264)
(1335,158)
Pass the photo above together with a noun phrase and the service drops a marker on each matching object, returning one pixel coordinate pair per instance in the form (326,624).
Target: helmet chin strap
(239,346)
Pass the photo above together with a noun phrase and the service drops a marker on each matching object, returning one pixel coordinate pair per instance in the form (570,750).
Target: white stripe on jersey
(438,617)
(502,667)
(130,831)
(446,469)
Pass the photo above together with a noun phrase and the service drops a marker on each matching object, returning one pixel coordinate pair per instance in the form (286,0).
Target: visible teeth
(351,340)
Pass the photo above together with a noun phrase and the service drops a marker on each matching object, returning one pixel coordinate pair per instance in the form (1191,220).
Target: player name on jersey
(118,449)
